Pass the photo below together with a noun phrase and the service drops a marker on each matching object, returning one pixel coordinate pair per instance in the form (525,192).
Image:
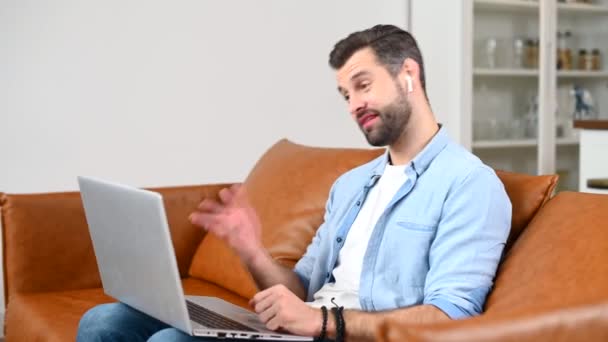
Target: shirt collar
(422,160)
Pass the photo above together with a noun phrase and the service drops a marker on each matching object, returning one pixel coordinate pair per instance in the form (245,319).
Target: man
(415,235)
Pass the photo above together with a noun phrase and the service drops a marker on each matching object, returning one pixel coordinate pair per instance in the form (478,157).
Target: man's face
(375,99)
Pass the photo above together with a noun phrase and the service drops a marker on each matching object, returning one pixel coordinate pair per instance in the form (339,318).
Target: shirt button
(327,275)
(358,203)
(339,239)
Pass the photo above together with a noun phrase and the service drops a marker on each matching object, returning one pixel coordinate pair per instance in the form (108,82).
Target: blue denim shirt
(438,242)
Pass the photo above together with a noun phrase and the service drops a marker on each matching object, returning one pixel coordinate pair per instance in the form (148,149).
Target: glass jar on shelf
(596,60)
(491,46)
(532,53)
(586,60)
(531,118)
(564,54)
(582,59)
(517,54)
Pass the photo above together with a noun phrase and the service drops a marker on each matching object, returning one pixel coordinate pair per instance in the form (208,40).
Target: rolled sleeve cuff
(453,311)
(303,279)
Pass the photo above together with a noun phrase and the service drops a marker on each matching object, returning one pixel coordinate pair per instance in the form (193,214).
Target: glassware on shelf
(565,107)
(485,129)
(490,53)
(517,129)
(589,61)
(596,59)
(532,53)
(531,118)
(518,53)
(492,128)
(564,54)
(583,60)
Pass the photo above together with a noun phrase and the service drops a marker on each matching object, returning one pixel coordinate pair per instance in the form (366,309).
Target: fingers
(226,195)
(274,323)
(239,194)
(261,296)
(210,206)
(211,222)
(232,195)
(268,314)
(267,307)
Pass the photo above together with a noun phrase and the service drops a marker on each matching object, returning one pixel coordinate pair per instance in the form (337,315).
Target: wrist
(257,259)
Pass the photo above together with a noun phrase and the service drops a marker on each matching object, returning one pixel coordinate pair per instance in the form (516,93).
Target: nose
(356,104)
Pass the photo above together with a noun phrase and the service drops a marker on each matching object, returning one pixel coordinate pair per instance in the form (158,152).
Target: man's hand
(279,308)
(233,220)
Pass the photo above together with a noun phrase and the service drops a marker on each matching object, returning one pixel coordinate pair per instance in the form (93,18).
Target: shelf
(511,143)
(531,6)
(507,5)
(582,74)
(505,72)
(566,8)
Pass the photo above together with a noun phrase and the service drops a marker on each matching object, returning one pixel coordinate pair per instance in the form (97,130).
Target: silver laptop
(137,263)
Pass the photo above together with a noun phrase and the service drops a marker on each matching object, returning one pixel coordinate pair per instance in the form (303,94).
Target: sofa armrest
(47,246)
(580,323)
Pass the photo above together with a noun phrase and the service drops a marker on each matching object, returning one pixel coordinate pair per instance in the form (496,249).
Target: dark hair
(391,45)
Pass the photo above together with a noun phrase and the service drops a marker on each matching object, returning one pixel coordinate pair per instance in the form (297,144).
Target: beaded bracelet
(321,337)
(339,323)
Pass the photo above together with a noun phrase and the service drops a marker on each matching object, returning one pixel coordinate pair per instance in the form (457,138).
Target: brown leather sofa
(552,283)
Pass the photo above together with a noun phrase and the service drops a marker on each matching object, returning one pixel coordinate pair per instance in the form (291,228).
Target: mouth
(367,119)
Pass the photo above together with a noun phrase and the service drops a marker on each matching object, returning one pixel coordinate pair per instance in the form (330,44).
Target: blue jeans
(118,322)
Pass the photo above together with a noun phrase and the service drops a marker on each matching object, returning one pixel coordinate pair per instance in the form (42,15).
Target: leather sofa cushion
(288,187)
(527,194)
(54,316)
(48,246)
(580,323)
(560,260)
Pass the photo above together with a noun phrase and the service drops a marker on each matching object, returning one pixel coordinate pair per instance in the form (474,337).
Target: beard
(394,118)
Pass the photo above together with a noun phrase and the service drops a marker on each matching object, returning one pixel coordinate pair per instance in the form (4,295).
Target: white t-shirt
(350,260)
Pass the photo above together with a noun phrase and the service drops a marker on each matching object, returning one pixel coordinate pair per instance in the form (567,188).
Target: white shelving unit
(488,109)
(502,94)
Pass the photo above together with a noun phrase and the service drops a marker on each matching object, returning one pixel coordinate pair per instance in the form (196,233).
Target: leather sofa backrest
(47,245)
(527,194)
(289,187)
(560,260)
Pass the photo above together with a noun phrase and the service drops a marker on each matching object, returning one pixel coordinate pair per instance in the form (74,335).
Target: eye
(364,86)
(346,97)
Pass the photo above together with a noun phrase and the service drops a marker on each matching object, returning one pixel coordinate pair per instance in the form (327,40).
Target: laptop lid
(134,251)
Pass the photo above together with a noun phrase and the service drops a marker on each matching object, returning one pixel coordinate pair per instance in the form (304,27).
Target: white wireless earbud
(410,87)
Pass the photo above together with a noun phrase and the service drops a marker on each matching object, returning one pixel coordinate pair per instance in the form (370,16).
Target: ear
(410,86)
(409,74)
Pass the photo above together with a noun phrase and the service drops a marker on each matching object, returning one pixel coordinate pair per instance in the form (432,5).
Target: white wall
(443,30)
(156,93)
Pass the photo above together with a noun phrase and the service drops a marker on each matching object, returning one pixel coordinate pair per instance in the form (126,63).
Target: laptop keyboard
(213,320)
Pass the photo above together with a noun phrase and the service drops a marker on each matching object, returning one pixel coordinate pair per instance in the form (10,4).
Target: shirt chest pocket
(408,244)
